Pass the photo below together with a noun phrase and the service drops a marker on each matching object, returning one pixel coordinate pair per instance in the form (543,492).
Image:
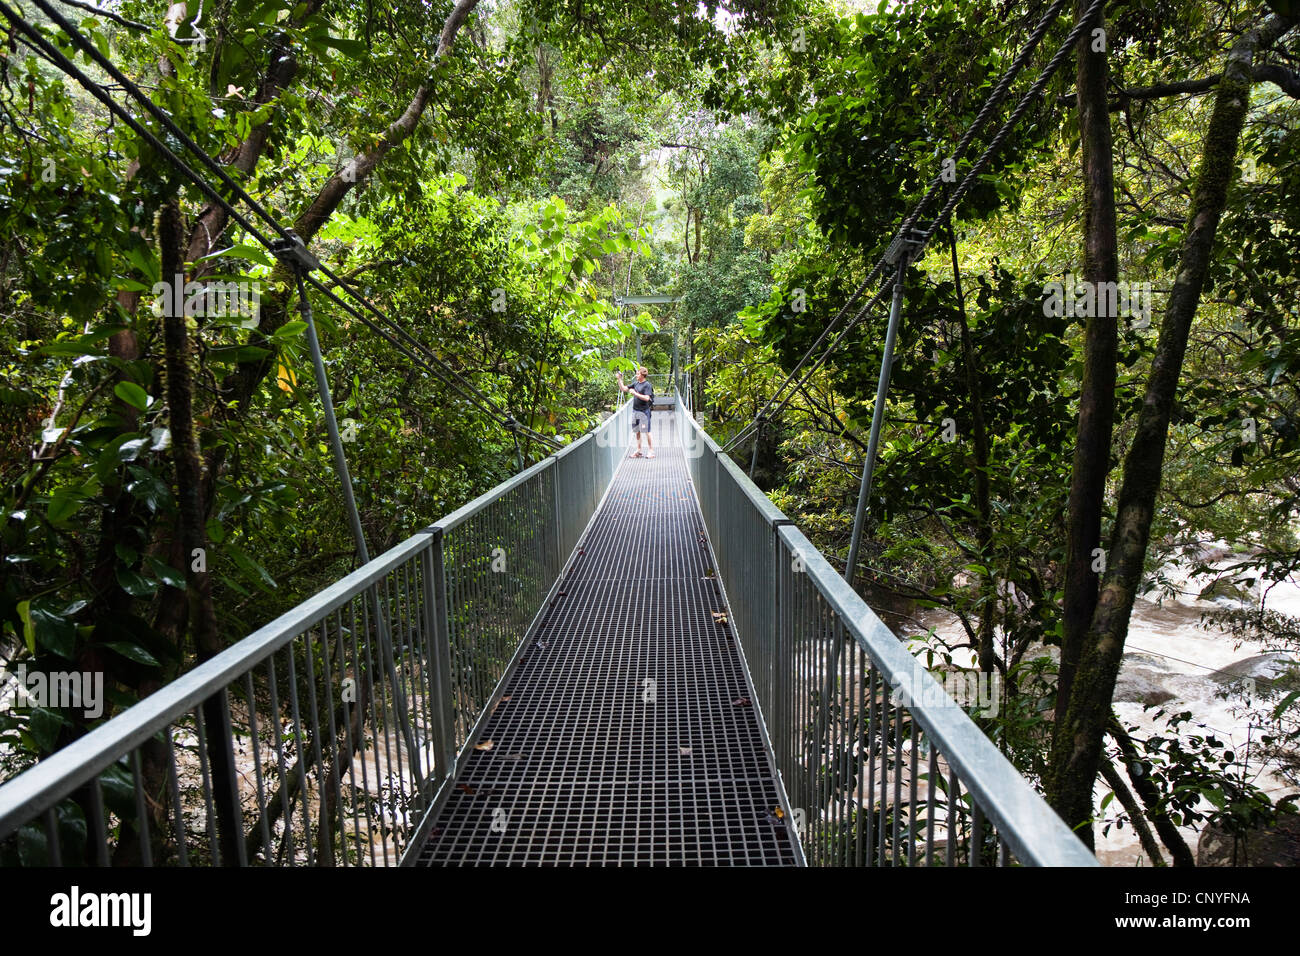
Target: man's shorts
(640,421)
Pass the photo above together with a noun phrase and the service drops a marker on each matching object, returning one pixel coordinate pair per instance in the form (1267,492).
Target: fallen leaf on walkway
(741,701)
(719,617)
(780,814)
(485,745)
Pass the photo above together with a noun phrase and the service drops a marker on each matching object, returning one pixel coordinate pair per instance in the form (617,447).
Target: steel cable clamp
(293,252)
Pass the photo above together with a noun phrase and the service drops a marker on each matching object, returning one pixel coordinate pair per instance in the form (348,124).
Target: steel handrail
(57,777)
(60,774)
(1023,819)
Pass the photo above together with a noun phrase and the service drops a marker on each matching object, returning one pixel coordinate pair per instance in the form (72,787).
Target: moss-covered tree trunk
(1101,340)
(1077,745)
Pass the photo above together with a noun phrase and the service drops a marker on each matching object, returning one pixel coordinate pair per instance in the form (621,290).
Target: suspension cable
(907,230)
(434,365)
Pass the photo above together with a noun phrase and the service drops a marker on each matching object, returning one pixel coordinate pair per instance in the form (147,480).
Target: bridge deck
(625,734)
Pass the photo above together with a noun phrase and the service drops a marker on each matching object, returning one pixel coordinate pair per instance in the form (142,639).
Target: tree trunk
(1077,746)
(198,583)
(983,496)
(1134,811)
(1169,835)
(1097,395)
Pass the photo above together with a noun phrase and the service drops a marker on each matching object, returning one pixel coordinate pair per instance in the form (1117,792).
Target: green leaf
(251,568)
(130,450)
(44,726)
(243,250)
(49,626)
(216,533)
(148,489)
(71,347)
(1284,703)
(133,652)
(134,583)
(289,331)
(133,395)
(29,630)
(63,503)
(166,574)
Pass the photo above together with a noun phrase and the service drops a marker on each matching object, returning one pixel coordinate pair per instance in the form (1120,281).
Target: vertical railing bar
(440,654)
(174,785)
(389,692)
(99,820)
(911,805)
(146,850)
(378,717)
(300,752)
(326,851)
(375,710)
(286,806)
(255,734)
(845,755)
(823,744)
(201,732)
(409,673)
(861,744)
(930,803)
(228,739)
(394,730)
(400,716)
(414,674)
(416,670)
(339,753)
(839,755)
(888,710)
(462,594)
(954,796)
(52,843)
(873,728)
(360,744)
(899,713)
(977,833)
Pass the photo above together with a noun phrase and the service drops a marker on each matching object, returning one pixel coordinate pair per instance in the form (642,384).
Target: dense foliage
(493,174)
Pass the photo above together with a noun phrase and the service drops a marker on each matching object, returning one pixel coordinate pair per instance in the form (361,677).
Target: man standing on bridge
(643,399)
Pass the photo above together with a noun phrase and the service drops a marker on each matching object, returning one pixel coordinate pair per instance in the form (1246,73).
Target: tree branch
(1288,81)
(101,12)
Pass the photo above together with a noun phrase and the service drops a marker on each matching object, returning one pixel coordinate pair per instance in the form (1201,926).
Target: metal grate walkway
(625,734)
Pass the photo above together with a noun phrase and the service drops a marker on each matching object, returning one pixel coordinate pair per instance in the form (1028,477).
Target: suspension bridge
(604,660)
(601,661)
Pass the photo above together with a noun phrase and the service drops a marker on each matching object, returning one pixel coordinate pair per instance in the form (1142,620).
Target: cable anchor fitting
(294,253)
(906,247)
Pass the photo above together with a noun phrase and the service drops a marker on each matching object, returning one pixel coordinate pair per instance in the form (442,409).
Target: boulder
(1278,845)
(1141,685)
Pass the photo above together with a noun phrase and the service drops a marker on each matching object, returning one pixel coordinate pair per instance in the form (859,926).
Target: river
(1173,660)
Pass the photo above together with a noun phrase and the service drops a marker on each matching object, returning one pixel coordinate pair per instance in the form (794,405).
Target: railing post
(781,672)
(435,600)
(558,523)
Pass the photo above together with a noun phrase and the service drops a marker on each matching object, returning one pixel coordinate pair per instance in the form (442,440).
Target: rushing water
(1171,659)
